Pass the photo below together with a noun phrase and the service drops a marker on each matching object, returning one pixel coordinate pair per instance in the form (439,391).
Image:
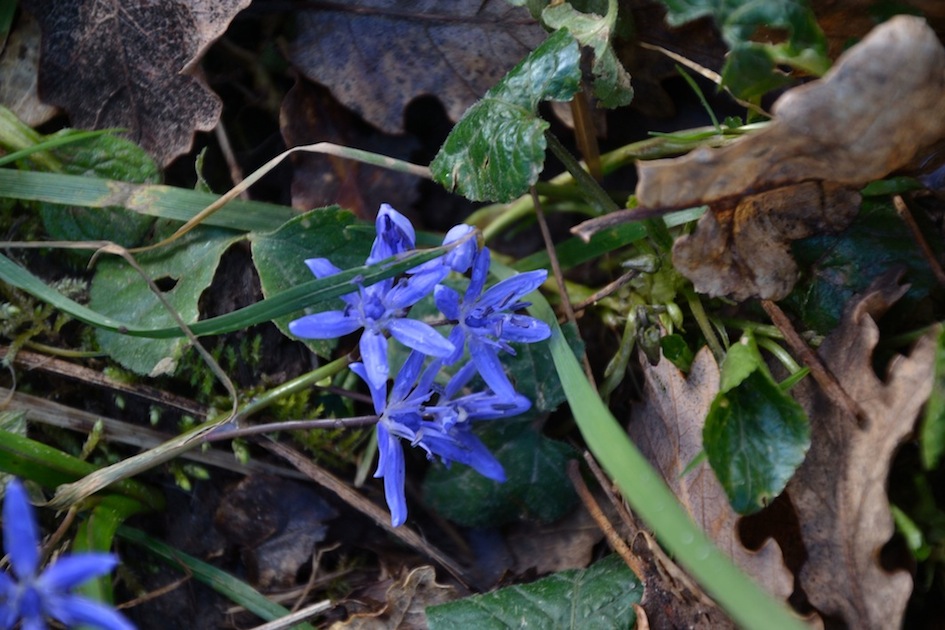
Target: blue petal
(461,445)
(411,289)
(459,380)
(419,336)
(378,394)
(525,329)
(390,466)
(490,368)
(461,258)
(321,267)
(20,534)
(325,325)
(447,300)
(510,290)
(71,571)
(485,406)
(395,235)
(480,271)
(407,376)
(73,611)
(374,355)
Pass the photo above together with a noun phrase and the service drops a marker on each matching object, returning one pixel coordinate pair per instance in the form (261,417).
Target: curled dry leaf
(869,115)
(746,251)
(125,65)
(406,603)
(839,491)
(667,427)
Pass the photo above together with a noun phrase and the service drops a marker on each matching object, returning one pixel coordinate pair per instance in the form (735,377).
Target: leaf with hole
(497,150)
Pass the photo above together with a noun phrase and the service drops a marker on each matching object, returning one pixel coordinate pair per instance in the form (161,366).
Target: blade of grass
(650,497)
(222,582)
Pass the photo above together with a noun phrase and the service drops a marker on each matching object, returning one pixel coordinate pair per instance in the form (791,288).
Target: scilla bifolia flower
(434,418)
(31,596)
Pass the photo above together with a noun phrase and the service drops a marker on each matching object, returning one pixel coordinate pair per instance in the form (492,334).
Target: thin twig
(236,173)
(290,425)
(613,538)
(293,618)
(906,215)
(605,291)
(559,277)
(827,381)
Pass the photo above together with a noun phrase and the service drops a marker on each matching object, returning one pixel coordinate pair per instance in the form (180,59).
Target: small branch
(930,256)
(290,425)
(827,381)
(613,538)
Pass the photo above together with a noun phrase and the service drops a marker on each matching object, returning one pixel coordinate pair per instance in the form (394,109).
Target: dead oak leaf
(115,64)
(839,492)
(378,55)
(667,428)
(869,115)
(405,608)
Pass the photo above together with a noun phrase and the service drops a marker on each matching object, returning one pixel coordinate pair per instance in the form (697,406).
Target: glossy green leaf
(106,157)
(280,256)
(839,266)
(755,435)
(533,371)
(611,80)
(600,597)
(932,433)
(676,350)
(536,486)
(182,272)
(497,150)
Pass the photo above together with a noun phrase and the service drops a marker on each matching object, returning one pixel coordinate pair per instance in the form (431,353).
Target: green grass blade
(290,301)
(651,498)
(167,202)
(223,583)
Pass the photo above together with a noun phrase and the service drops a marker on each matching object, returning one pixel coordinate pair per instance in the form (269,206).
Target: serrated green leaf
(611,80)
(183,271)
(106,157)
(280,256)
(599,597)
(755,435)
(536,486)
(497,150)
(932,433)
(839,266)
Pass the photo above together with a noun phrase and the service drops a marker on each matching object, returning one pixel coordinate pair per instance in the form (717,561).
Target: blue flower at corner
(32,597)
(380,307)
(486,321)
(436,429)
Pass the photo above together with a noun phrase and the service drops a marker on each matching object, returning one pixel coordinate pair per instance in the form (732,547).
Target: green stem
(782,355)
(698,312)
(294,386)
(592,190)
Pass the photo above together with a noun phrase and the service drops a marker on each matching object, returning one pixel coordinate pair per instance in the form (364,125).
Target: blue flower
(31,596)
(438,430)
(381,307)
(486,321)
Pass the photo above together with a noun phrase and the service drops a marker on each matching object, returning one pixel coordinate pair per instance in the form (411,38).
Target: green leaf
(839,266)
(182,272)
(534,374)
(599,597)
(676,350)
(536,486)
(932,433)
(497,150)
(761,34)
(755,435)
(611,80)
(280,256)
(106,157)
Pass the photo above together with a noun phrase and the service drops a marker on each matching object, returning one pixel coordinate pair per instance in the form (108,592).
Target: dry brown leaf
(667,427)
(407,600)
(869,115)
(19,67)
(551,547)
(746,252)
(310,115)
(839,491)
(378,55)
(120,64)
